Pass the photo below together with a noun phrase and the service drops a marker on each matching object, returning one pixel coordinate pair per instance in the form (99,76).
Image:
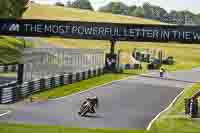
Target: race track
(130,103)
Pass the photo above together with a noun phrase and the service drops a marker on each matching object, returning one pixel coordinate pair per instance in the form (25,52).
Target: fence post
(20,73)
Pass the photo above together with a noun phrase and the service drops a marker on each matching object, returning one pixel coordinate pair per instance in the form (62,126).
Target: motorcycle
(84,109)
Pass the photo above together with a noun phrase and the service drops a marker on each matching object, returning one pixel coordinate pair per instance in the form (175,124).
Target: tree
(69,3)
(13,8)
(115,8)
(82,4)
(106,8)
(18,7)
(139,12)
(131,10)
(4,10)
(59,4)
(153,12)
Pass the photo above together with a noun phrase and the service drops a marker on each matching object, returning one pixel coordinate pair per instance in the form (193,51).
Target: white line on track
(6,113)
(172,103)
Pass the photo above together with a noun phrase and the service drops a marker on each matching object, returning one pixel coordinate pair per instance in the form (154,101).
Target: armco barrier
(12,92)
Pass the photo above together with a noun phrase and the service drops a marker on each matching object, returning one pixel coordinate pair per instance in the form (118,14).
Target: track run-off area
(129,103)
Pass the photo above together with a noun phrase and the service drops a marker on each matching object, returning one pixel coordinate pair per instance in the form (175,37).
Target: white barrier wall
(47,62)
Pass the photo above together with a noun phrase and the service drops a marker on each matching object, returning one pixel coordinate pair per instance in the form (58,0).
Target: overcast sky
(191,5)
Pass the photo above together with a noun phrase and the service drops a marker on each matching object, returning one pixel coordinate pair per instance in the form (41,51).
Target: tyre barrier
(8,68)
(13,92)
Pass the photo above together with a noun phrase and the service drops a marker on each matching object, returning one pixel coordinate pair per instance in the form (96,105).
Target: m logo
(14,27)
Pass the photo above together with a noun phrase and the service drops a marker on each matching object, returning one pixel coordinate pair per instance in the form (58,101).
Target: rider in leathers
(94,102)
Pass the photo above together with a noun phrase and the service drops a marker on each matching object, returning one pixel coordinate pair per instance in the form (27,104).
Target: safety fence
(13,92)
(48,62)
(8,68)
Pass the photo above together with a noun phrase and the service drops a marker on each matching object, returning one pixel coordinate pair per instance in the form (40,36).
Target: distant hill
(50,12)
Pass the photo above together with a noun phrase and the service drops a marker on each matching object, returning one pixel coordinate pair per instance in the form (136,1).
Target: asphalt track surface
(130,103)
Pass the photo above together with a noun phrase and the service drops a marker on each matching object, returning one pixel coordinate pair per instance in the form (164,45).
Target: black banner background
(99,31)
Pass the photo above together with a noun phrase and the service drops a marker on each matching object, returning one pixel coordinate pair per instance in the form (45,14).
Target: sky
(191,5)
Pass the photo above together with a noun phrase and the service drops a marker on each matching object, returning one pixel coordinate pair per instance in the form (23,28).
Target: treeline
(146,11)
(152,12)
(12,8)
(81,4)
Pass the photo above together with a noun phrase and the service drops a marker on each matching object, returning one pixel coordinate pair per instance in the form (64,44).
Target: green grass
(9,74)
(84,85)
(186,55)
(174,120)
(10,49)
(20,128)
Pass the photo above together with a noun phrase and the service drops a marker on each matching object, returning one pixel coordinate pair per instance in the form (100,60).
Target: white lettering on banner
(187,35)
(116,32)
(165,35)
(14,27)
(149,33)
(196,36)
(101,31)
(108,31)
(39,28)
(152,33)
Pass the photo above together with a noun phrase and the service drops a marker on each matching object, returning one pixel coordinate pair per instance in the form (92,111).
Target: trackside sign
(99,31)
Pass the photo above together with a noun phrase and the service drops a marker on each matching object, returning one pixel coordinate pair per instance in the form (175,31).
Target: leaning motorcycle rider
(94,102)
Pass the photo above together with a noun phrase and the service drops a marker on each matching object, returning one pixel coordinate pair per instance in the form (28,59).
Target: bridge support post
(20,73)
(112,47)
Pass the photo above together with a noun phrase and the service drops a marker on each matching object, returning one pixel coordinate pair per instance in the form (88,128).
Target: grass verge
(85,84)
(174,120)
(20,128)
(9,74)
